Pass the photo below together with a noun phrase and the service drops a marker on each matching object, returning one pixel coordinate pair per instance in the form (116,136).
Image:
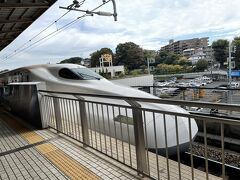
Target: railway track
(231,144)
(232,159)
(214,167)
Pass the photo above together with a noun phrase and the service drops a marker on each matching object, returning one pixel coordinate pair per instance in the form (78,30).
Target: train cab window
(86,74)
(79,74)
(68,74)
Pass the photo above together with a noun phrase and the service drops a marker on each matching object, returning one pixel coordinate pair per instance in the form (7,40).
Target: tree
(183,61)
(168,69)
(73,60)
(160,57)
(130,55)
(97,54)
(220,49)
(151,54)
(201,65)
(167,58)
(236,43)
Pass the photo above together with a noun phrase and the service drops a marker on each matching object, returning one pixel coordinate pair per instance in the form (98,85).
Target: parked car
(209,81)
(182,85)
(221,88)
(194,84)
(234,85)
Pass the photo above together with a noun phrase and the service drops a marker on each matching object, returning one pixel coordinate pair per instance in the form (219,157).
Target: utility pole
(211,68)
(230,64)
(148,65)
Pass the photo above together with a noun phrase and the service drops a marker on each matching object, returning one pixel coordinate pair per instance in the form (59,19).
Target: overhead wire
(21,49)
(53,34)
(43,38)
(69,24)
(56,31)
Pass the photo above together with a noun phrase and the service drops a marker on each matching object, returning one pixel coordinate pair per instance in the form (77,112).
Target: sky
(148,23)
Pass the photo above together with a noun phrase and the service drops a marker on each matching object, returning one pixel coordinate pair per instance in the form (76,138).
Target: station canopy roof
(17,15)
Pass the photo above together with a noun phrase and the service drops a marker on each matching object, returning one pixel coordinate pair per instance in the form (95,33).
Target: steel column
(139,137)
(57,113)
(84,123)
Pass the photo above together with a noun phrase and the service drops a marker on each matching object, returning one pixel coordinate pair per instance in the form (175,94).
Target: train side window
(1,92)
(7,91)
(68,74)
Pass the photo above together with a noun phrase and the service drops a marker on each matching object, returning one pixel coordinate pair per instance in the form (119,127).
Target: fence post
(154,91)
(139,137)
(184,94)
(84,123)
(57,114)
(229,98)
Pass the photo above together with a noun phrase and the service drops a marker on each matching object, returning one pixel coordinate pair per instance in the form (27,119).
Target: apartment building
(178,47)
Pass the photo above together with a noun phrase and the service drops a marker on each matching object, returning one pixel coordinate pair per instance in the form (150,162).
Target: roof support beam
(24,12)
(10,14)
(25,20)
(11,31)
(25,5)
(6,39)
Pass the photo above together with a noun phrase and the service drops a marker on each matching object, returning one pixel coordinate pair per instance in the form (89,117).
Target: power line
(52,34)
(20,47)
(54,22)
(49,36)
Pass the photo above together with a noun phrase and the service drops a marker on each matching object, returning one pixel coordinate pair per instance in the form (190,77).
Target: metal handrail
(223,106)
(228,120)
(188,87)
(78,118)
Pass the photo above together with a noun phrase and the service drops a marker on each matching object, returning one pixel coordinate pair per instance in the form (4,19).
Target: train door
(1,95)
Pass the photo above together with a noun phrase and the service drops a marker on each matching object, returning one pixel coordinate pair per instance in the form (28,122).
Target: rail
(222,95)
(136,131)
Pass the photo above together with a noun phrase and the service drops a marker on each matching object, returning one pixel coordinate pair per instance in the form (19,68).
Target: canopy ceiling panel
(17,15)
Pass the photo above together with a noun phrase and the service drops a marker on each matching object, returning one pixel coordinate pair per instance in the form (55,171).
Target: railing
(141,133)
(207,94)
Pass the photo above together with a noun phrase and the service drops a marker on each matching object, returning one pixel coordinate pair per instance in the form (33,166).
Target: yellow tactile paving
(46,148)
(65,163)
(30,136)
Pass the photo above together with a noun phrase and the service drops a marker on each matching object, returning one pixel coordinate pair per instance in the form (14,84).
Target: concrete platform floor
(26,153)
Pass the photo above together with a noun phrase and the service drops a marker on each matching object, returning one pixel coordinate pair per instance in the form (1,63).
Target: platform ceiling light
(76,4)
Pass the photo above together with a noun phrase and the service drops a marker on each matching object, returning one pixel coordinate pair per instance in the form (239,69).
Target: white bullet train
(78,79)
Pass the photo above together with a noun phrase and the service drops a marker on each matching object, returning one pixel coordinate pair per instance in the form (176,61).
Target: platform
(42,154)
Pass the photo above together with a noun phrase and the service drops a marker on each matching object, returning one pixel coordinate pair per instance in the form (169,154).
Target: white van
(207,79)
(234,85)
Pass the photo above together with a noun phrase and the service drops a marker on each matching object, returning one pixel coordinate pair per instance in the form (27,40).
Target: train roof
(47,66)
(66,65)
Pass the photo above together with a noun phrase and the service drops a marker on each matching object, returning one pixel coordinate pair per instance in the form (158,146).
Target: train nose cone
(180,145)
(177,137)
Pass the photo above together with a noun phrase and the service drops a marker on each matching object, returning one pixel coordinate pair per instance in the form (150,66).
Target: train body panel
(64,78)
